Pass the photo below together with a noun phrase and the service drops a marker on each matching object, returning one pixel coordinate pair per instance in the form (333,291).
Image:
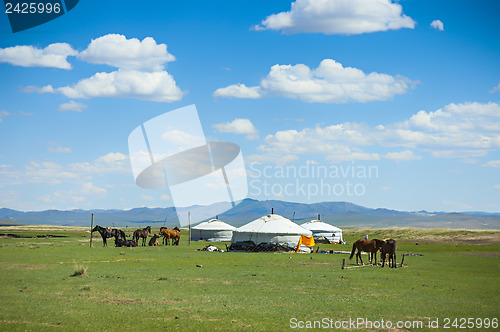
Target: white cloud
(329,83)
(497,186)
(4,114)
(238,91)
(56,148)
(147,197)
(238,126)
(155,86)
(46,172)
(345,17)
(438,25)
(72,106)
(89,188)
(111,163)
(496,89)
(53,56)
(165,197)
(455,131)
(130,54)
(140,73)
(492,163)
(406,155)
(112,157)
(62,196)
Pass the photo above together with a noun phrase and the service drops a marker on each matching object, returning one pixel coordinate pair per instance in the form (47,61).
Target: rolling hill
(343,214)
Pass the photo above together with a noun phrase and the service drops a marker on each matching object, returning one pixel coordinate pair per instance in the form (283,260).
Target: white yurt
(322,229)
(212,230)
(272,228)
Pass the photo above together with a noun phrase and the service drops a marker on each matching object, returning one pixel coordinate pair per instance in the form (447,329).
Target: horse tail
(353,250)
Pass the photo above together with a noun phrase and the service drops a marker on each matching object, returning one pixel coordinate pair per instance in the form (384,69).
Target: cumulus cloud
(344,17)
(56,148)
(89,188)
(438,25)
(154,86)
(111,163)
(72,106)
(131,54)
(496,89)
(238,126)
(53,56)
(492,163)
(406,155)
(331,82)
(454,131)
(140,73)
(3,114)
(238,91)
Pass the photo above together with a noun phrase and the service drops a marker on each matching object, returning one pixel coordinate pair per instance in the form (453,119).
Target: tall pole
(91,227)
(189,218)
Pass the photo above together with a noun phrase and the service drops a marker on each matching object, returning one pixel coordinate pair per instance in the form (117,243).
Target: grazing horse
(142,233)
(370,246)
(174,234)
(389,247)
(154,240)
(107,233)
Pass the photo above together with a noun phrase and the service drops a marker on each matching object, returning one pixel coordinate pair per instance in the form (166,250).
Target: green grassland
(62,284)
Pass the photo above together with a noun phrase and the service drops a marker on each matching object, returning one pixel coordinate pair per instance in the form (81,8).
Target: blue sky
(313,86)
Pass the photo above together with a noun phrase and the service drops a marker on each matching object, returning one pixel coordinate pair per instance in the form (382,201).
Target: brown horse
(142,233)
(154,240)
(369,246)
(388,247)
(170,234)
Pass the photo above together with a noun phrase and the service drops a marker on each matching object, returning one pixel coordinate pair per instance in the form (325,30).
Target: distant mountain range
(342,214)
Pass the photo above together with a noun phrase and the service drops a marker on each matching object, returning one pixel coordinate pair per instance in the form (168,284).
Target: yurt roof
(273,224)
(214,224)
(318,226)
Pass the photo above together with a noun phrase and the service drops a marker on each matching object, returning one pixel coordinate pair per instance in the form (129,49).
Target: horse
(168,234)
(154,240)
(142,233)
(370,246)
(389,247)
(107,233)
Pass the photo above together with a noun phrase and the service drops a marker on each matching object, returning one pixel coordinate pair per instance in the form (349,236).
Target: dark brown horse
(369,246)
(170,234)
(388,247)
(142,233)
(106,233)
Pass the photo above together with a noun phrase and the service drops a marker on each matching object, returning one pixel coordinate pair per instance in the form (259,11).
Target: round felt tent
(272,228)
(321,229)
(212,230)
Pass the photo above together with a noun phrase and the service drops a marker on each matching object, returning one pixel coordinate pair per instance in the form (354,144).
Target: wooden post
(189,218)
(343,264)
(91,227)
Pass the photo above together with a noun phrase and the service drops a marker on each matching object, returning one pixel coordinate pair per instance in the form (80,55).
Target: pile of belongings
(210,248)
(250,246)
